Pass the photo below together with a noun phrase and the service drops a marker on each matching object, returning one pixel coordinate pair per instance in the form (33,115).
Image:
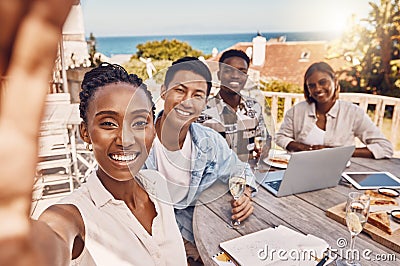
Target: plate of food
(384,209)
(277,158)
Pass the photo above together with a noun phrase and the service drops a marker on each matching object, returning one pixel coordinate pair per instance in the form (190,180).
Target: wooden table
(304,213)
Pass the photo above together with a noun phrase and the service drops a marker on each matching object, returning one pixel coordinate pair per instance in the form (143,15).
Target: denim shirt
(213,160)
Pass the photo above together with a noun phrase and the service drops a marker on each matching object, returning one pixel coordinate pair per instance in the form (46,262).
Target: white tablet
(372,180)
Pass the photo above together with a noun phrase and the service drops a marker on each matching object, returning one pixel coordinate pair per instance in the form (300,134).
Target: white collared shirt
(344,122)
(113,235)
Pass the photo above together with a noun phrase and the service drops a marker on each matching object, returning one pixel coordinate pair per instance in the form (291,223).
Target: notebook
(275,246)
(307,171)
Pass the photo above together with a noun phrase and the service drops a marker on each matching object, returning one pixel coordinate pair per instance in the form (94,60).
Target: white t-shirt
(175,166)
(315,136)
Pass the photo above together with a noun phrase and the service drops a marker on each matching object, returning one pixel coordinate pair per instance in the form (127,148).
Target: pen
(324,259)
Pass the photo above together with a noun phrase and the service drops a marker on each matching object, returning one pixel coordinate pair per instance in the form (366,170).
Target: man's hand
(243,207)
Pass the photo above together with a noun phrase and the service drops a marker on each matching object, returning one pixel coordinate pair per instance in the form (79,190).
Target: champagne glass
(262,146)
(237,185)
(357,209)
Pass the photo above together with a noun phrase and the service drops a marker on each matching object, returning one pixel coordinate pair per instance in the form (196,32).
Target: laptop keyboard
(274,184)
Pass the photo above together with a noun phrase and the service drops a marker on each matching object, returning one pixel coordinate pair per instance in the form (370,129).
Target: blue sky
(173,17)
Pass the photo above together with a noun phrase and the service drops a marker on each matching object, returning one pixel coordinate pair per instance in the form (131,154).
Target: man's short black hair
(234,53)
(192,64)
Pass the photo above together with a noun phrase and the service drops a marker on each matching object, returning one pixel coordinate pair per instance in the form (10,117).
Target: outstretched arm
(28,47)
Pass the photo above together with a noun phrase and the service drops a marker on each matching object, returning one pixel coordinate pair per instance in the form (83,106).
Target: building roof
(288,61)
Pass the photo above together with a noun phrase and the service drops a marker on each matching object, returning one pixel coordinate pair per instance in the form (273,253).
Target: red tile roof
(283,60)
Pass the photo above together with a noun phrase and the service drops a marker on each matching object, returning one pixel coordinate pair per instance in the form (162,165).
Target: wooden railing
(363,100)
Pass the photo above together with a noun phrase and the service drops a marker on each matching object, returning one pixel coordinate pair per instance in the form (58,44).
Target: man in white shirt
(191,156)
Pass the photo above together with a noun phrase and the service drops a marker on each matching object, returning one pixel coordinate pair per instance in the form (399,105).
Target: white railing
(363,100)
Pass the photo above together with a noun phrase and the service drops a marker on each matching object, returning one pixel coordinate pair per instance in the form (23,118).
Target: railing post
(274,109)
(287,104)
(395,124)
(378,108)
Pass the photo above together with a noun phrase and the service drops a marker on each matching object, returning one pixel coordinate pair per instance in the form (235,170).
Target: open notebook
(261,248)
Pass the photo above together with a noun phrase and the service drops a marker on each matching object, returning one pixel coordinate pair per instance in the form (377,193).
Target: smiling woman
(120,208)
(118,200)
(324,121)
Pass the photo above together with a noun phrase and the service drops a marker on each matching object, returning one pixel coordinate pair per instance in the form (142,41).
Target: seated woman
(325,121)
(119,217)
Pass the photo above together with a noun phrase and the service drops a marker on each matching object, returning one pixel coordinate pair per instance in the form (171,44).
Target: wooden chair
(55,162)
(54,168)
(86,160)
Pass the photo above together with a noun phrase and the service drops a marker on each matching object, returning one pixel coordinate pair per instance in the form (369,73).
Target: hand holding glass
(237,185)
(357,209)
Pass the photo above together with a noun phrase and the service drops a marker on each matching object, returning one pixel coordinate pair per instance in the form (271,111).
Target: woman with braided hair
(121,215)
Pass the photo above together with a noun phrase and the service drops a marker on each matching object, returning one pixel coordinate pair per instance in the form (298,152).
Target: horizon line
(200,34)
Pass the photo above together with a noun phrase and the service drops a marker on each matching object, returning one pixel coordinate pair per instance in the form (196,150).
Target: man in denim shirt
(192,157)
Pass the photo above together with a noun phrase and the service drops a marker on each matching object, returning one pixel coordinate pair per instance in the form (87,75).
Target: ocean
(111,46)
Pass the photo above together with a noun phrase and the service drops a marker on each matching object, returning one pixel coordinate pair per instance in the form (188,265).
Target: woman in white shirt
(122,215)
(325,121)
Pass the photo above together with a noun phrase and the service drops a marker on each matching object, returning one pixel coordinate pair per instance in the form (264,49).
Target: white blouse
(113,235)
(344,122)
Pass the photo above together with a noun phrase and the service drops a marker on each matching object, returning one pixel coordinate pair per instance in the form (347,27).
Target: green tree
(166,50)
(92,51)
(373,47)
(279,86)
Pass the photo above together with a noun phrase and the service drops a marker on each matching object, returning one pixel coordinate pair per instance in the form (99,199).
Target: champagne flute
(262,146)
(357,210)
(237,185)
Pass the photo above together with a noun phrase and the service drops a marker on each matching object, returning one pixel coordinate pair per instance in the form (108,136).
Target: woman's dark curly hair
(103,75)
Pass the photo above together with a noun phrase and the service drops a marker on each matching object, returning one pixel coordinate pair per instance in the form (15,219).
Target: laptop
(307,171)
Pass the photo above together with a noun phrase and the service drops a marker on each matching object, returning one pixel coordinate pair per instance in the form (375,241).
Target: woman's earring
(89,146)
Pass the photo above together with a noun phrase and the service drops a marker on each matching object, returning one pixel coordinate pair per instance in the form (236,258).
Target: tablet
(372,180)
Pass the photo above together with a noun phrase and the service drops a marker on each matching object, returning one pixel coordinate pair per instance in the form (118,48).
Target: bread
(279,160)
(380,199)
(380,220)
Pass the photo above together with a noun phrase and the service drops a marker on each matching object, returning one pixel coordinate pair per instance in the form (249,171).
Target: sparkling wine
(355,222)
(259,141)
(237,186)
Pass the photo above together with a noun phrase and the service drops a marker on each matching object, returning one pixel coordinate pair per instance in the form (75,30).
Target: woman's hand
(298,146)
(28,48)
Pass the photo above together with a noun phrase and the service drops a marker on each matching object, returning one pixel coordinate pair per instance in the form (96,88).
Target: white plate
(277,154)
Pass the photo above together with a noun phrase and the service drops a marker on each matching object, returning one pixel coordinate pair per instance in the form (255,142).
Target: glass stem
(352,253)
